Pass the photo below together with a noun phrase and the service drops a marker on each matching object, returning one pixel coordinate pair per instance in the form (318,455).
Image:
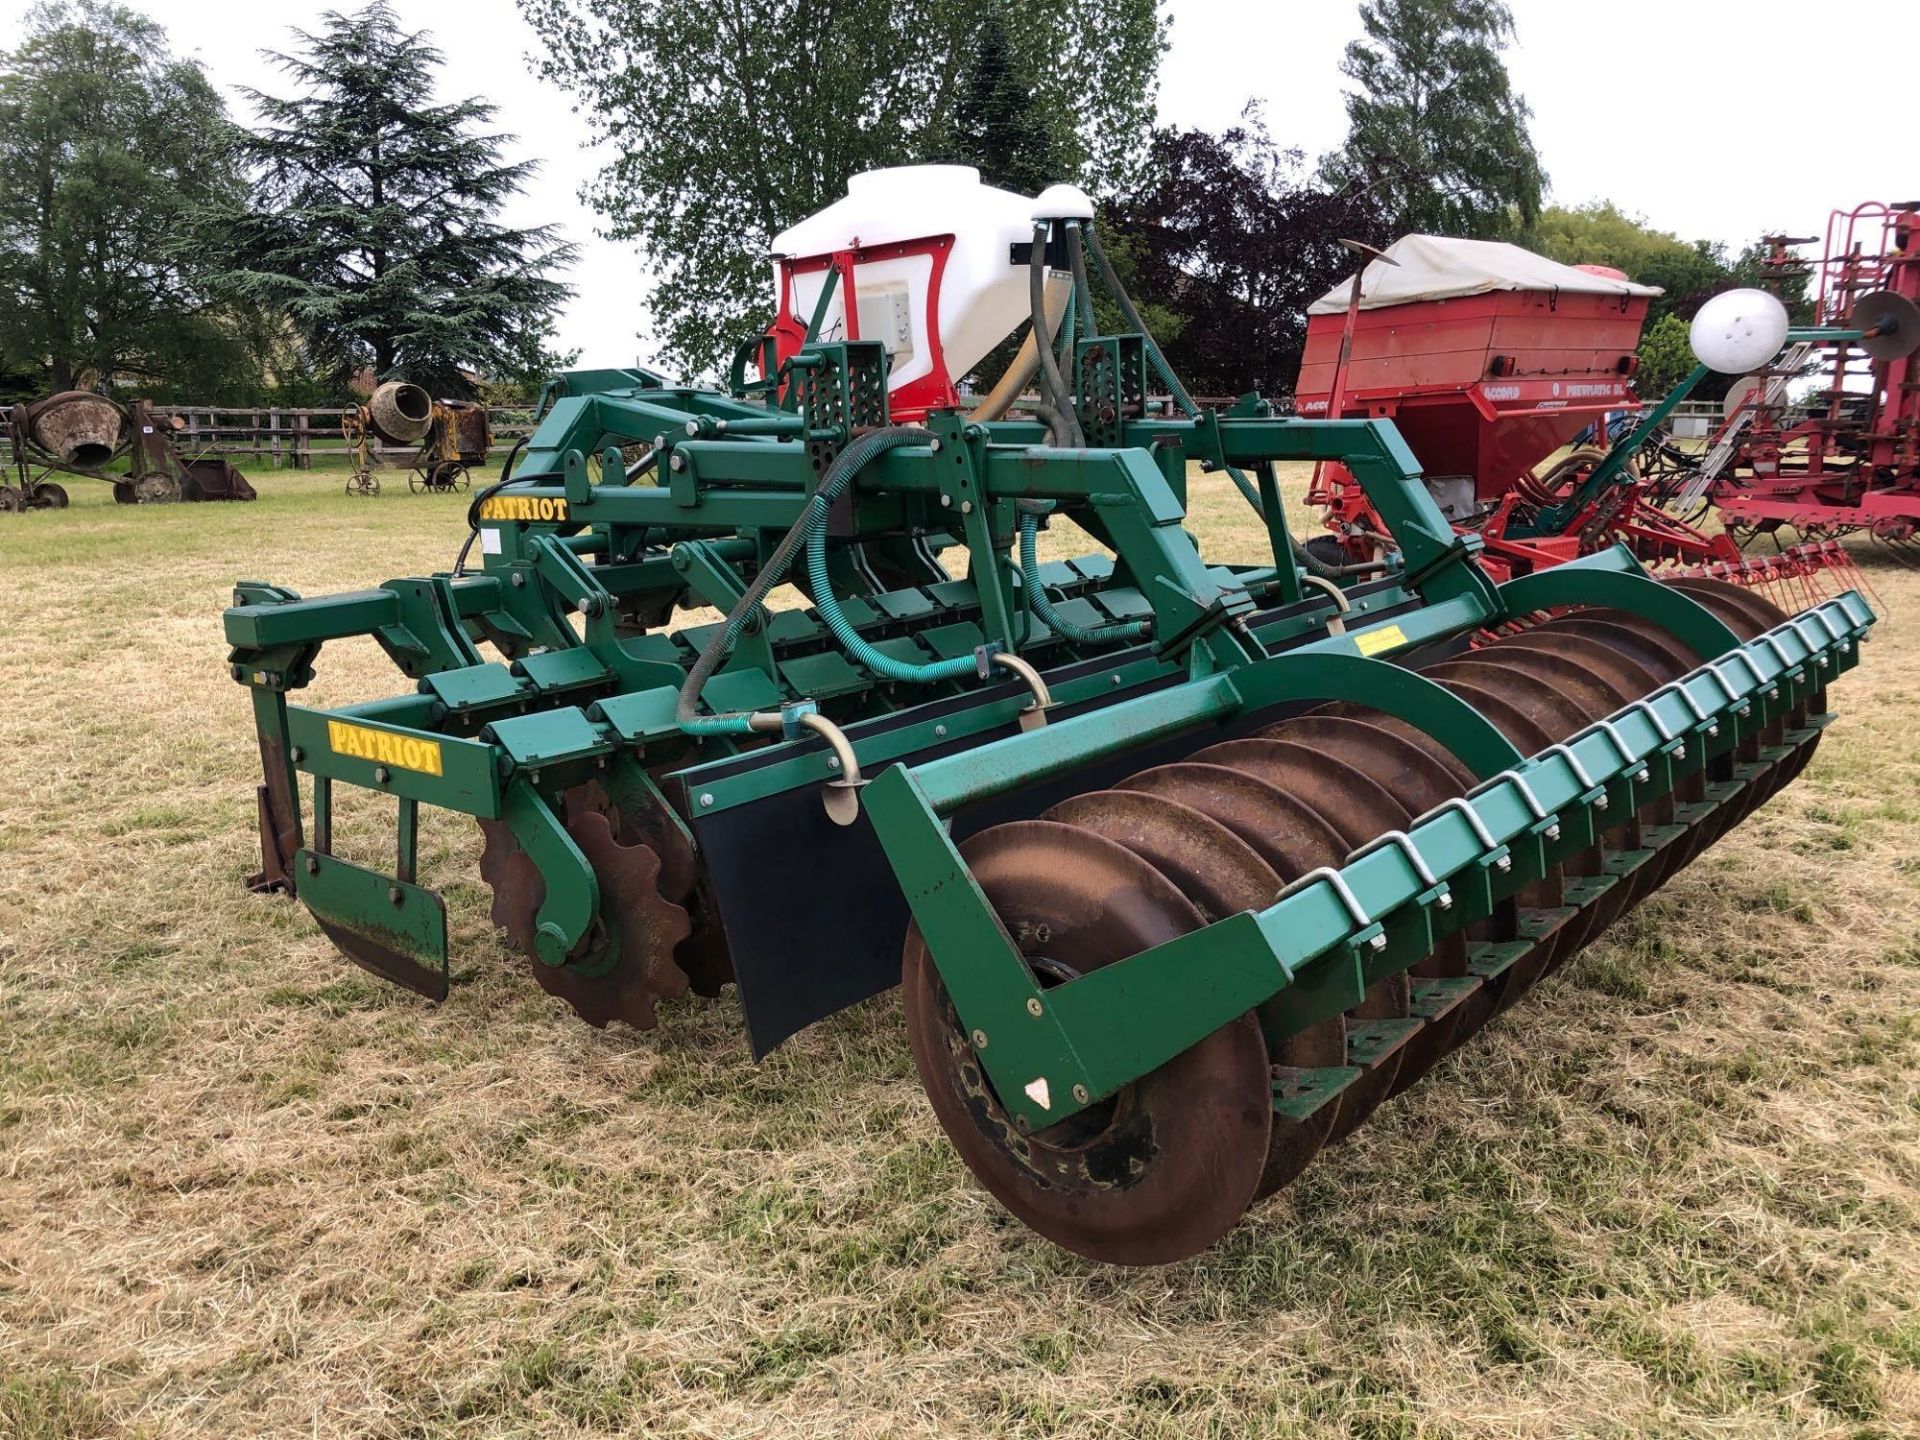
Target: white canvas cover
(1438,267)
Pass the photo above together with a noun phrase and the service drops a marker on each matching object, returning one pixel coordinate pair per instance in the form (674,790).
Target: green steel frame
(636,498)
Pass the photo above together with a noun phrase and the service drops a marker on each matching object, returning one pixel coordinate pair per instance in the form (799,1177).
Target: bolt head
(313,864)
(395,895)
(1599,802)
(1379,942)
(966,507)
(979,1039)
(1713,730)
(1504,863)
(1445,902)
(1033,1006)
(833,762)
(946,502)
(939,732)
(706,801)
(1553,832)
(298,753)
(1080,1095)
(382,774)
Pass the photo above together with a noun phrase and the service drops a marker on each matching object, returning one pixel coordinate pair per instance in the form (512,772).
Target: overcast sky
(1706,127)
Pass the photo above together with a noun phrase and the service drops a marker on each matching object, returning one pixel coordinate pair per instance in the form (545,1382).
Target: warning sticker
(1372,642)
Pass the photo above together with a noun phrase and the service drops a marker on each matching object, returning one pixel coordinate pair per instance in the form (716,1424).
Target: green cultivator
(1183,866)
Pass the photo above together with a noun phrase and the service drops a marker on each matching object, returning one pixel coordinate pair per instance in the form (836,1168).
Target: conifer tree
(372,223)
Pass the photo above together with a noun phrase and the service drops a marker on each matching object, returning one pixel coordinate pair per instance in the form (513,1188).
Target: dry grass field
(246,1190)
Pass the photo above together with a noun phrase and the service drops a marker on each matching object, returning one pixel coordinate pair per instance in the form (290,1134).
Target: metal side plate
(396,930)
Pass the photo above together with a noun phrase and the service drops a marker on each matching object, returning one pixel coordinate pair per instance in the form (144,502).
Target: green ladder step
(1537,925)
(1583,890)
(1431,997)
(1489,960)
(1369,1042)
(1298,1092)
(1621,863)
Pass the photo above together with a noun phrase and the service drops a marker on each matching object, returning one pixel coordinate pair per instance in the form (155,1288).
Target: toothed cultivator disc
(628,962)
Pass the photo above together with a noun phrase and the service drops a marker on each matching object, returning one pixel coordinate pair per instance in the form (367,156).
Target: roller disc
(1419,781)
(1352,810)
(1749,614)
(1222,875)
(1159,1170)
(1593,680)
(1278,826)
(1403,769)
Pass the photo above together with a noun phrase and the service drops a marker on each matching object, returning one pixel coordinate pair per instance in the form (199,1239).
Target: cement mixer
(77,432)
(397,413)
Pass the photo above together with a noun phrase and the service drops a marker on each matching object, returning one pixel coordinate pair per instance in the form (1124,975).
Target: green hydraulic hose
(827,606)
(1042,607)
(849,463)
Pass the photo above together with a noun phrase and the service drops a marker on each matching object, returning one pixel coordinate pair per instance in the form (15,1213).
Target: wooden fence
(292,437)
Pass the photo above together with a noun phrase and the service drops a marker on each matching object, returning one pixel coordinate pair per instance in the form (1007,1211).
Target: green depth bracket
(390,926)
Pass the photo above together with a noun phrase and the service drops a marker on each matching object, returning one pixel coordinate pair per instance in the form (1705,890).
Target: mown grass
(247,1190)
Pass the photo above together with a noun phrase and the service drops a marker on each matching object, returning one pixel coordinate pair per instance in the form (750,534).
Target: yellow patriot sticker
(540,509)
(384,747)
(1372,642)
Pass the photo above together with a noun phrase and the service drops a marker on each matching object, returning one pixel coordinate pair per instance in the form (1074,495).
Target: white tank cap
(1738,331)
(1063,202)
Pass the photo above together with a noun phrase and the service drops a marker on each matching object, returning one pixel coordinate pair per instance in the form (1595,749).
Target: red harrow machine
(1182,864)
(1492,361)
(1847,458)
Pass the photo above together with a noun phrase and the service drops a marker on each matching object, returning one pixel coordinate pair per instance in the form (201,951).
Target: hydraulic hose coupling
(841,795)
(1034,714)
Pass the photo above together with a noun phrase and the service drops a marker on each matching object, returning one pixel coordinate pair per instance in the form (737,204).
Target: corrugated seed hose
(997,401)
(1042,607)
